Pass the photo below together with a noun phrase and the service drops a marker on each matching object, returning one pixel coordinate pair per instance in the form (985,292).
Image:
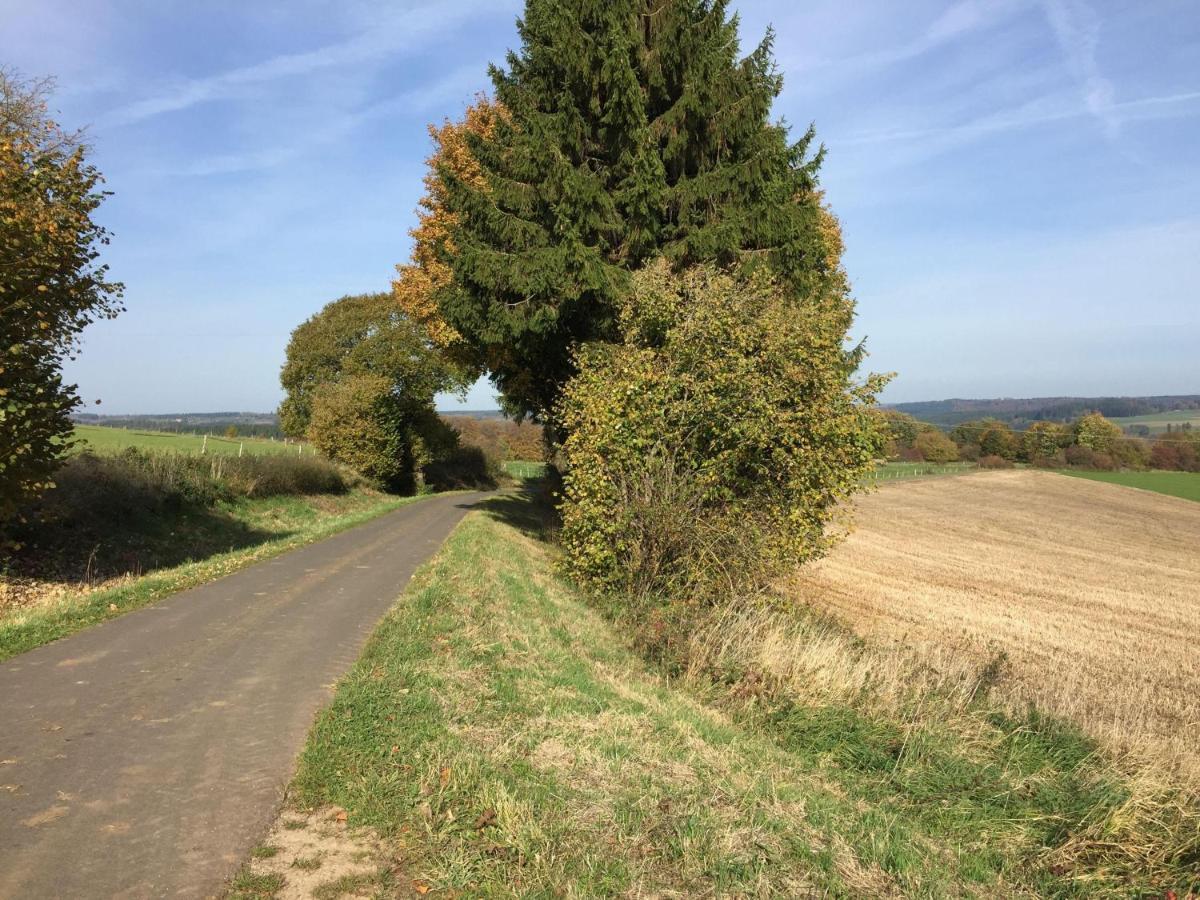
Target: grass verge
(500,732)
(283,523)
(1174,484)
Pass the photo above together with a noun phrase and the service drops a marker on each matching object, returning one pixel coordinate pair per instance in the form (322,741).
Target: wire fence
(522,468)
(895,471)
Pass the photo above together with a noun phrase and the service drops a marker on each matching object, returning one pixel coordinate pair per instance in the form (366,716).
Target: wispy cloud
(1039,112)
(958,21)
(1077,30)
(459,85)
(402,32)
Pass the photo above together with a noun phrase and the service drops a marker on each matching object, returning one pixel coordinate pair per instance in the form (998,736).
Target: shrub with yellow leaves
(711,450)
(51,286)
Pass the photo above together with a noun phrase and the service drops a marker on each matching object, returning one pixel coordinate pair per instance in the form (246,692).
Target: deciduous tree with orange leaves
(426,273)
(51,284)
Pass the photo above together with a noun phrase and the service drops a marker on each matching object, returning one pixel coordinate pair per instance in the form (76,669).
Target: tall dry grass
(958,599)
(770,656)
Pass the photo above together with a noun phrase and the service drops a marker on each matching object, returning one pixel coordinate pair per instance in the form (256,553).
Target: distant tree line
(1022,412)
(1091,441)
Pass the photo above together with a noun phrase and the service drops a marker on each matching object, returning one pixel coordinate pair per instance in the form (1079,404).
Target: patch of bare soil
(317,856)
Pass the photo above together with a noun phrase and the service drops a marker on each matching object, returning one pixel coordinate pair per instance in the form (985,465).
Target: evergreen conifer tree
(633,129)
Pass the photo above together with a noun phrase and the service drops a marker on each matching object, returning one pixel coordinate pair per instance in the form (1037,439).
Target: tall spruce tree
(633,129)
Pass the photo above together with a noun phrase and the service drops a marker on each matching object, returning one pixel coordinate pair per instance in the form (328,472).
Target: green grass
(278,524)
(523,468)
(380,884)
(1157,422)
(504,737)
(248,886)
(1176,484)
(102,439)
(894,471)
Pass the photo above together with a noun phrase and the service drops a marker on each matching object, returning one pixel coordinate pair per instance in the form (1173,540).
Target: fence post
(204,445)
(240,446)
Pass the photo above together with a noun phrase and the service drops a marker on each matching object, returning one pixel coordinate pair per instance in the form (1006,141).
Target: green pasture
(1158,422)
(1176,484)
(102,439)
(524,468)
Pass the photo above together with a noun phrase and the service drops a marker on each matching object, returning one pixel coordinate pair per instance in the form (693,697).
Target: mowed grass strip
(283,523)
(500,734)
(1174,484)
(105,439)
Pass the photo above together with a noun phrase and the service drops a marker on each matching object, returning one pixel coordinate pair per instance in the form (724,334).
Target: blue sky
(1018,181)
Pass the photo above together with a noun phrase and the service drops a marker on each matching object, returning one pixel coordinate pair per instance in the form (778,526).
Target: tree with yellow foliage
(51,285)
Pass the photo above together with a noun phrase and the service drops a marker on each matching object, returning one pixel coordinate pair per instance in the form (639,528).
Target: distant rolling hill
(1022,411)
(250,424)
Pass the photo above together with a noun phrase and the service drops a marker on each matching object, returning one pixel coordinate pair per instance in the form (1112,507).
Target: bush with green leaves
(360,378)
(710,451)
(1096,433)
(1131,453)
(991,436)
(360,422)
(1044,440)
(175,479)
(364,334)
(935,447)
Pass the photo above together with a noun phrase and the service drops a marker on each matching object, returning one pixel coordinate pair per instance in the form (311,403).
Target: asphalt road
(144,757)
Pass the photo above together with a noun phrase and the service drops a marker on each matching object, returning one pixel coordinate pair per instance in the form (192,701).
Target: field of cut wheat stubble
(1090,591)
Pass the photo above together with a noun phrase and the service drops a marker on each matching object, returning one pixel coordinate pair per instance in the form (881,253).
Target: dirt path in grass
(145,756)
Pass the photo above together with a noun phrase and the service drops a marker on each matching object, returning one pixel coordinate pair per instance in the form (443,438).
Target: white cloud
(402,32)
(1077,30)
(1042,111)
(957,22)
(459,86)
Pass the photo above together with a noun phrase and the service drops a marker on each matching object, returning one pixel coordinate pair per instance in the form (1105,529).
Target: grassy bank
(1174,484)
(502,734)
(42,610)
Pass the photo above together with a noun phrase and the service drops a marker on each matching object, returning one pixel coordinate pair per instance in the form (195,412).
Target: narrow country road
(145,756)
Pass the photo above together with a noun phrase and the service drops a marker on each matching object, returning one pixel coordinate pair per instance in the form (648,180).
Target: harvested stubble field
(1091,590)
